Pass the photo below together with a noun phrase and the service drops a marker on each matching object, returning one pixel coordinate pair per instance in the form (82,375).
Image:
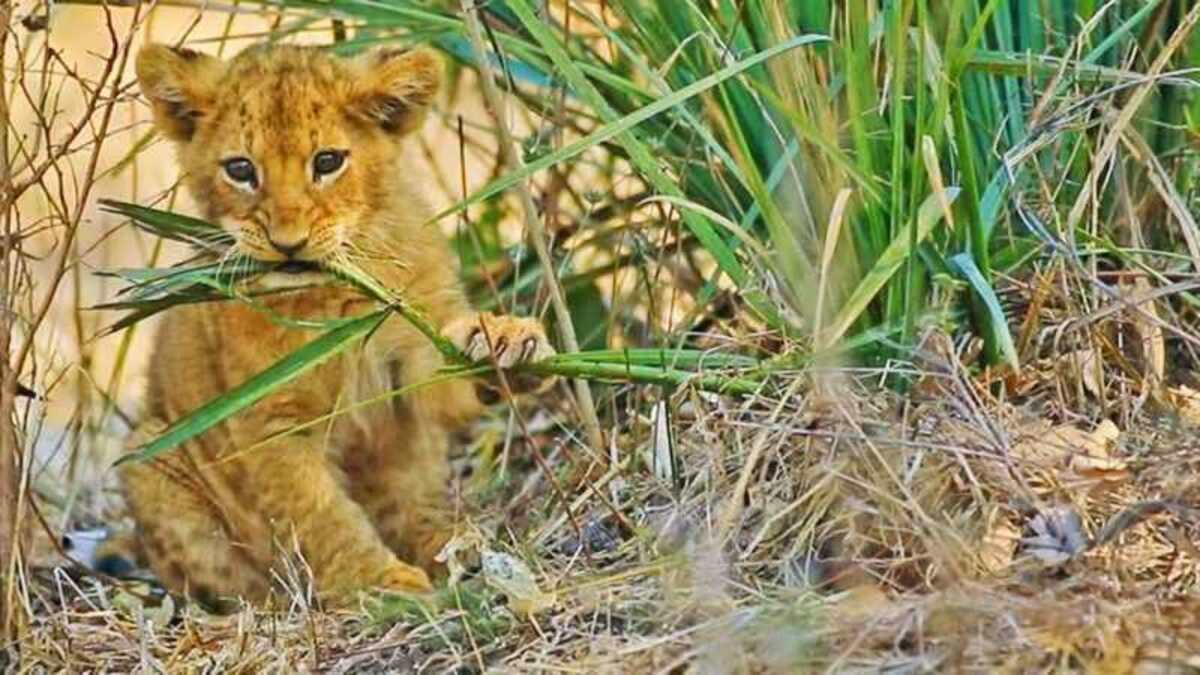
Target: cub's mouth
(298,267)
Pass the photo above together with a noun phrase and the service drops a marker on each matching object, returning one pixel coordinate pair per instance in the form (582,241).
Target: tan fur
(361,498)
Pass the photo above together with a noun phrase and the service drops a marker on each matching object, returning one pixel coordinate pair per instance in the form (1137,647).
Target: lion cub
(298,153)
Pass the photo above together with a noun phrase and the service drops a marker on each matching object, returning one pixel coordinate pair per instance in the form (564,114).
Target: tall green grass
(902,96)
(833,163)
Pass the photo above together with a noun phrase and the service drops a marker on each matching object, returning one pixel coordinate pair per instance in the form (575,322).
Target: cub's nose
(289,249)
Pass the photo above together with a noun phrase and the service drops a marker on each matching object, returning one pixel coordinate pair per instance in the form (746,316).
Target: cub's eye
(241,170)
(327,161)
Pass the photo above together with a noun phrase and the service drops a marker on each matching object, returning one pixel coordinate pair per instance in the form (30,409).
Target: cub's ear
(396,87)
(181,85)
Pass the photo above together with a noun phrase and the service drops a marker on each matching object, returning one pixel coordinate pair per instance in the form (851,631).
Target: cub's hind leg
(189,546)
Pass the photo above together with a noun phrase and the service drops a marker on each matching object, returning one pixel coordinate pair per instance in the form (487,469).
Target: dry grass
(874,533)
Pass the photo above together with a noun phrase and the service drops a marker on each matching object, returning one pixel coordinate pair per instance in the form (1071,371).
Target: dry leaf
(155,617)
(1096,453)
(1148,332)
(1073,452)
(1084,363)
(662,450)
(1055,536)
(462,552)
(514,579)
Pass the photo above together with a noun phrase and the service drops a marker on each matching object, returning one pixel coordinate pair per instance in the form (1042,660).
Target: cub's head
(291,149)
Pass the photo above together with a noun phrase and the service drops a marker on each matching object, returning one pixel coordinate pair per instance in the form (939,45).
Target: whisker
(224,260)
(387,248)
(388,254)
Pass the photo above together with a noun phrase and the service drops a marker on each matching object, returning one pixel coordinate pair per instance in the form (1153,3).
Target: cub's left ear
(396,87)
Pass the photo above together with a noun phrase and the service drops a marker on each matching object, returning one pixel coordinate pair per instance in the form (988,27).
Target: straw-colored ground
(856,531)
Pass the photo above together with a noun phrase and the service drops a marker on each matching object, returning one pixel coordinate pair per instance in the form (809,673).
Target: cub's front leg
(404,488)
(298,489)
(507,341)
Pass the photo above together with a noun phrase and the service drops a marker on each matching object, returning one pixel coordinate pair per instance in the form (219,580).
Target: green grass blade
(564,366)
(170,225)
(885,267)
(251,391)
(1122,31)
(397,303)
(995,328)
(155,283)
(705,232)
(1046,67)
(144,309)
(642,157)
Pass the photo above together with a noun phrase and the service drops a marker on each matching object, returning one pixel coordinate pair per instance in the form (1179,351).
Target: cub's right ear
(181,85)
(396,87)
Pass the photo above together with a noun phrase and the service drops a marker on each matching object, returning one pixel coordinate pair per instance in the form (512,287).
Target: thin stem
(8,381)
(496,104)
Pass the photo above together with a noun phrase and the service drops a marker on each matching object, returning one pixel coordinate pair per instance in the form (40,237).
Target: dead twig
(498,108)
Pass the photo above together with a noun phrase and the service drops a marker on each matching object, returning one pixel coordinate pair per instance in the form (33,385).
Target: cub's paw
(510,340)
(404,578)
